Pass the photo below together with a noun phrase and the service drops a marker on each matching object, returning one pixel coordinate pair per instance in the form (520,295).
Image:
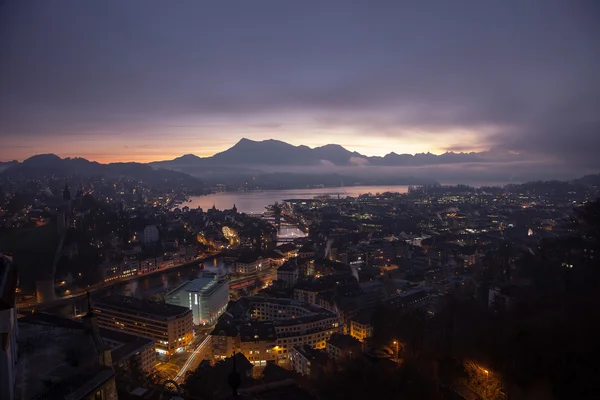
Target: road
(194,360)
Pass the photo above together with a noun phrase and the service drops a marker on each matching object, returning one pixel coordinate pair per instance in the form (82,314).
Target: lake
(255,202)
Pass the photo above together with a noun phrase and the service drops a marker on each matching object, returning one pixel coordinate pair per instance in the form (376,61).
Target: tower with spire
(64,214)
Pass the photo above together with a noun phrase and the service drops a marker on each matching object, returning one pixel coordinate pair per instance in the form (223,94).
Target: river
(162,282)
(255,202)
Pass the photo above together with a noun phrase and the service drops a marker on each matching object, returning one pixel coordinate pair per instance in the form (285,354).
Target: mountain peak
(42,159)
(187,157)
(331,146)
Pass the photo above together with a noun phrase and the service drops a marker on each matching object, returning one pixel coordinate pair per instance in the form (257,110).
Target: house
(307,360)
(306,251)
(361,326)
(343,346)
(249,262)
(288,250)
(288,273)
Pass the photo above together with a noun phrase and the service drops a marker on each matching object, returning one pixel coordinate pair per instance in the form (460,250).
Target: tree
(588,220)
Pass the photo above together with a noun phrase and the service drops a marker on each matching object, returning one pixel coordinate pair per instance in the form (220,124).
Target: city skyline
(113,82)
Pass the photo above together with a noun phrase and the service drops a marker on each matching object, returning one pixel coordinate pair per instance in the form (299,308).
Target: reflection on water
(255,202)
(162,282)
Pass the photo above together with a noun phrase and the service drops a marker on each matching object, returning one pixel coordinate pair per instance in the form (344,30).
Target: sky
(146,80)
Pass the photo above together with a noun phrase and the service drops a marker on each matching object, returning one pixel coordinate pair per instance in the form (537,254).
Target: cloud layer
(144,80)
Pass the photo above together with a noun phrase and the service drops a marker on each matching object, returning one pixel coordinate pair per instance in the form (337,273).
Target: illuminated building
(170,325)
(288,250)
(231,235)
(249,263)
(115,271)
(207,297)
(361,327)
(266,329)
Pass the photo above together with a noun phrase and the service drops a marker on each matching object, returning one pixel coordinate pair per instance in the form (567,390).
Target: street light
(396,344)
(487,379)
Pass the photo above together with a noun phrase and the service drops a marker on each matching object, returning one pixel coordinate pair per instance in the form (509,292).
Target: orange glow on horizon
(137,148)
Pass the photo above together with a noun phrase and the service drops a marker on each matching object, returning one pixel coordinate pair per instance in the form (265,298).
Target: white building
(250,263)
(207,297)
(150,234)
(8,327)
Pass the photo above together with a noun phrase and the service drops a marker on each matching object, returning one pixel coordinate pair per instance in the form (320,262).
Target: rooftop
(286,247)
(311,354)
(206,283)
(122,344)
(257,330)
(288,266)
(343,341)
(145,308)
(57,360)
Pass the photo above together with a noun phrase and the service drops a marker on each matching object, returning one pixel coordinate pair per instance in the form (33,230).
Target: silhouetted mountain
(51,165)
(7,164)
(588,180)
(277,153)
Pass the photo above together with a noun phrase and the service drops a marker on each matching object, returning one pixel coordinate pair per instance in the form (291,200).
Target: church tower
(64,214)
(67,199)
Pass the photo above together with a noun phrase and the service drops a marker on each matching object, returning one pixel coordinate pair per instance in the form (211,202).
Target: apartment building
(170,325)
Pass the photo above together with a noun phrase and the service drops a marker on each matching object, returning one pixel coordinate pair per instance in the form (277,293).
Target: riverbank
(32,304)
(254,202)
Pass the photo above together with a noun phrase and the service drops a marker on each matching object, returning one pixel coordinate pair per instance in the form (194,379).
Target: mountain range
(273,164)
(52,165)
(277,153)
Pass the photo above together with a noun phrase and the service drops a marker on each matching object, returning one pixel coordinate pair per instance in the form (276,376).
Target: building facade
(127,348)
(170,325)
(288,274)
(343,346)
(250,263)
(306,360)
(207,297)
(360,329)
(293,323)
(150,234)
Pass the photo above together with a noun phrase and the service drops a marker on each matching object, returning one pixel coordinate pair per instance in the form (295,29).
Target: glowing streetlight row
(192,358)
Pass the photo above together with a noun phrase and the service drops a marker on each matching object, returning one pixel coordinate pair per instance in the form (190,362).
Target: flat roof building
(207,297)
(170,325)
(63,359)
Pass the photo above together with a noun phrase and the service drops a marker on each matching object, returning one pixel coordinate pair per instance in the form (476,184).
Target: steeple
(66,193)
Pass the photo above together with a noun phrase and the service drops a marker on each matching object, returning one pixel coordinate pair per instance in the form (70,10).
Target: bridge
(287,239)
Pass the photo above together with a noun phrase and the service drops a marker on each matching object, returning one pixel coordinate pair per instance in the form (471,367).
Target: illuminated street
(193,360)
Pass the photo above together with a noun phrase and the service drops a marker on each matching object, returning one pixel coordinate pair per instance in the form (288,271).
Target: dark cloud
(523,74)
